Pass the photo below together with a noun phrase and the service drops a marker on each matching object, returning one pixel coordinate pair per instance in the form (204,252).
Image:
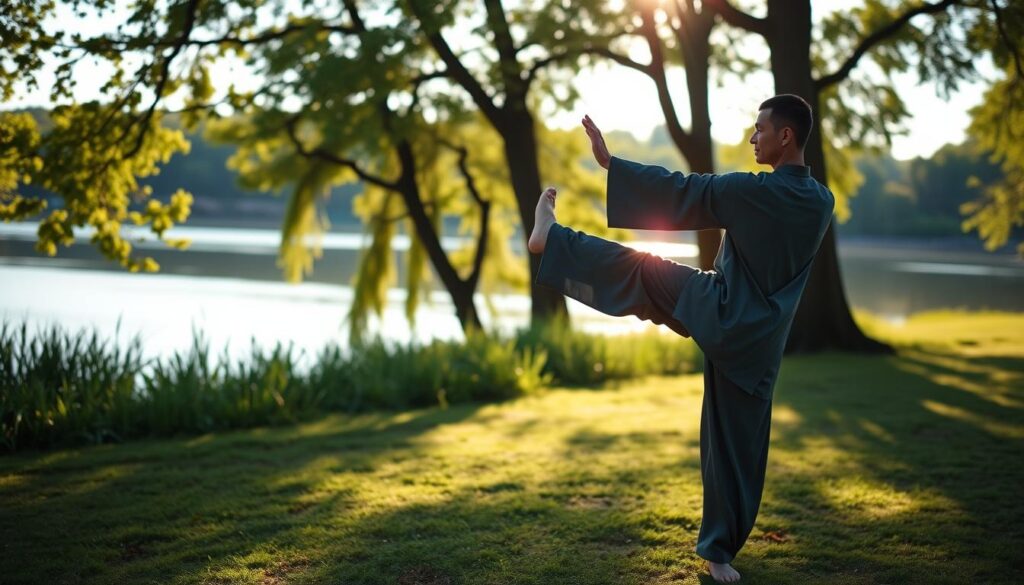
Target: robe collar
(795,170)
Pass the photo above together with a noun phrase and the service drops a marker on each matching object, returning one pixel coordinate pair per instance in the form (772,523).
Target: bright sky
(622,99)
(618,98)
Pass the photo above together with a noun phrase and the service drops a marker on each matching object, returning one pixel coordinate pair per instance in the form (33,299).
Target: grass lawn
(902,469)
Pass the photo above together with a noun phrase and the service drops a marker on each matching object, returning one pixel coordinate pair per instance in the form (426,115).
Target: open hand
(597,144)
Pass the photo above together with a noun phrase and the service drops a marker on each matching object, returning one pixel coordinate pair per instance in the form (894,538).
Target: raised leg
(612,278)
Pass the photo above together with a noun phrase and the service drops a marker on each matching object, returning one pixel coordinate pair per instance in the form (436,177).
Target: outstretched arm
(649,197)
(652,198)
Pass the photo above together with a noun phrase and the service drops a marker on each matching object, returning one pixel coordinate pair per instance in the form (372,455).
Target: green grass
(899,469)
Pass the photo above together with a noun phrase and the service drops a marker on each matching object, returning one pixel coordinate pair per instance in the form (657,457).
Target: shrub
(581,359)
(63,388)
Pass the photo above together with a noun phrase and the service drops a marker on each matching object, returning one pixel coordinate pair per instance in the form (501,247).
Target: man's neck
(796,158)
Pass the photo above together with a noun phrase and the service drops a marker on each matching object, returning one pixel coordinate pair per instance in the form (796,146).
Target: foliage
(97,182)
(998,122)
(575,358)
(59,387)
(203,172)
(918,197)
(94,153)
(18,136)
(341,92)
(865,110)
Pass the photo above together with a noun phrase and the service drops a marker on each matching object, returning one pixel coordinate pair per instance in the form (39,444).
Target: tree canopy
(367,92)
(432,107)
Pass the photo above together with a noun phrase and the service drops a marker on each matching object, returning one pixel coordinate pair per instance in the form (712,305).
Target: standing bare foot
(545,218)
(723,572)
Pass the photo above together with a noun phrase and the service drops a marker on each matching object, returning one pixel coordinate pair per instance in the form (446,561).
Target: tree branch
(556,57)
(127,44)
(422,78)
(353,13)
(565,54)
(320,153)
(868,42)
(211,105)
(165,73)
(657,74)
(485,213)
(458,71)
(738,18)
(511,74)
(1012,46)
(121,101)
(620,59)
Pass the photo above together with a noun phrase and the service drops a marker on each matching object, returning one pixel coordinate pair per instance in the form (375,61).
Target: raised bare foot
(545,218)
(723,572)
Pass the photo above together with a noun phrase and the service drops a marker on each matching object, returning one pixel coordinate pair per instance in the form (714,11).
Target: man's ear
(787,135)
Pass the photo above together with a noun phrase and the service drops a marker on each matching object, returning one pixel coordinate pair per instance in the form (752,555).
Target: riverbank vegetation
(60,388)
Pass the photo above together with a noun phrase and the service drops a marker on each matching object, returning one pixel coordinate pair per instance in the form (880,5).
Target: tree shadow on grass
(899,479)
(164,509)
(292,505)
(919,481)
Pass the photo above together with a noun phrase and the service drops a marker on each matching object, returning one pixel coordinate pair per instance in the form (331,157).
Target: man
(739,313)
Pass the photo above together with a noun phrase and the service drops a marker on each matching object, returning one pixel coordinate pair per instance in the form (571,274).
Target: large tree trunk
(702,161)
(702,158)
(823,320)
(696,147)
(521,153)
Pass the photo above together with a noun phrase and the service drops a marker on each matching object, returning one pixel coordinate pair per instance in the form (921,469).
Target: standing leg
(734,431)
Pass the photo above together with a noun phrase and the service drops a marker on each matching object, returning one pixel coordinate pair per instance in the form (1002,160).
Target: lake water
(228,287)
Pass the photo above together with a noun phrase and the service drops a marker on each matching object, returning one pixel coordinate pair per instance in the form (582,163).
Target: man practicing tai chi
(739,313)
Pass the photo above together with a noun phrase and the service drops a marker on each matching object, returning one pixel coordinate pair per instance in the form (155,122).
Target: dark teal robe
(741,312)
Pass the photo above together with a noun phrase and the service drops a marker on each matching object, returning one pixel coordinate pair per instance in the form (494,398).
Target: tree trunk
(823,320)
(465,308)
(460,291)
(702,159)
(699,149)
(524,171)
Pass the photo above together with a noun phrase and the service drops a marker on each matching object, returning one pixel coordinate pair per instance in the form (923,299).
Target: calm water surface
(228,287)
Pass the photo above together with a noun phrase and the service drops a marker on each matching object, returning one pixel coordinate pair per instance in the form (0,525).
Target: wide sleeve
(652,198)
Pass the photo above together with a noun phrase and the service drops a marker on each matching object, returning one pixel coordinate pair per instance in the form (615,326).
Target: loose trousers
(734,425)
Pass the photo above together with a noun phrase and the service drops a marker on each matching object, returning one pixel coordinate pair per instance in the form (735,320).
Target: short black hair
(793,111)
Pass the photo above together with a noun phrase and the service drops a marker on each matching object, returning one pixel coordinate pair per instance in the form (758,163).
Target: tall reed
(576,358)
(59,387)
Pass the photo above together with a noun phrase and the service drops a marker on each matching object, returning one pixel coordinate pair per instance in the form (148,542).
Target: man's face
(766,139)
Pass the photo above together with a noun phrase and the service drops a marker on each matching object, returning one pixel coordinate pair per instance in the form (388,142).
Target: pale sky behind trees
(622,99)
(618,98)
